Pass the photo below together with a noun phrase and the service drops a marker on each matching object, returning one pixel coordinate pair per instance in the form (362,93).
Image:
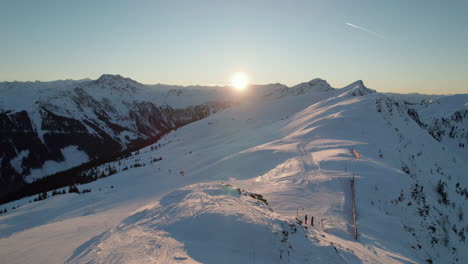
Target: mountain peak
(317,84)
(357,88)
(117,82)
(313,82)
(358,82)
(106,78)
(316,81)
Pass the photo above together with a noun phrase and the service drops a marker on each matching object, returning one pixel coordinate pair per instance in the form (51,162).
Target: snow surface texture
(230,186)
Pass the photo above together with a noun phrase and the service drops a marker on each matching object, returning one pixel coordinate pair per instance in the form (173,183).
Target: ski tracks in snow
(326,183)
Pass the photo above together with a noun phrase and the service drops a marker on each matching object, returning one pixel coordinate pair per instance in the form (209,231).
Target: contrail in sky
(363,29)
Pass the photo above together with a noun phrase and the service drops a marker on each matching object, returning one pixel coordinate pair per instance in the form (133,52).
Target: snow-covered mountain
(235,187)
(49,127)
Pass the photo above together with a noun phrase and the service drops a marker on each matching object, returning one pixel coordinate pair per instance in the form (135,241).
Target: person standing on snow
(306,219)
(312,221)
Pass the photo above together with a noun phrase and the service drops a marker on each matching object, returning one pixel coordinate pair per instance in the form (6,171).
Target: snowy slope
(292,153)
(206,223)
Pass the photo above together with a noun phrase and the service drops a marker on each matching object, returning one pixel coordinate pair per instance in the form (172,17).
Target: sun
(240,81)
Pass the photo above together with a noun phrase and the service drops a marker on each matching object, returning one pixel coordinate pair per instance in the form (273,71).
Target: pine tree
(73,189)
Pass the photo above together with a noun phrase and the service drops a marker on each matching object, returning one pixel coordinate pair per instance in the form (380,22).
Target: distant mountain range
(47,127)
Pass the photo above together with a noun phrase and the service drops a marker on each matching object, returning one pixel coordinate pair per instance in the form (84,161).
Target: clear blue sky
(411,45)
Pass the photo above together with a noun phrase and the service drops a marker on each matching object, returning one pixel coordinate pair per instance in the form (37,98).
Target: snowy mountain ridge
(112,112)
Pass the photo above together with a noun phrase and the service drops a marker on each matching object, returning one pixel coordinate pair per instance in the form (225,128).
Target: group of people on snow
(311,220)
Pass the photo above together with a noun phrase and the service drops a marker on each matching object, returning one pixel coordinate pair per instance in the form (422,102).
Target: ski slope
(230,187)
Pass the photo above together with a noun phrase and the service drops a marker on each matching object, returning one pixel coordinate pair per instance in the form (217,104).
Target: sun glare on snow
(239,81)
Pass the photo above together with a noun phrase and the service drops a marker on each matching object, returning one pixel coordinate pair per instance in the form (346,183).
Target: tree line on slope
(81,174)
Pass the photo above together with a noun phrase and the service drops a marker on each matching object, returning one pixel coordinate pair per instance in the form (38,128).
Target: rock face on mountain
(444,118)
(56,127)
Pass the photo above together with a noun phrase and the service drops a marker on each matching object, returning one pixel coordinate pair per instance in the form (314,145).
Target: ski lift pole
(297,212)
(353,197)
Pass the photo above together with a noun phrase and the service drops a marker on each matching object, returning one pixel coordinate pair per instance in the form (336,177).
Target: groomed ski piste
(235,187)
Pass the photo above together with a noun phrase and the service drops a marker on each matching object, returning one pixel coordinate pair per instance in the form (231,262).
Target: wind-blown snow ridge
(206,223)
